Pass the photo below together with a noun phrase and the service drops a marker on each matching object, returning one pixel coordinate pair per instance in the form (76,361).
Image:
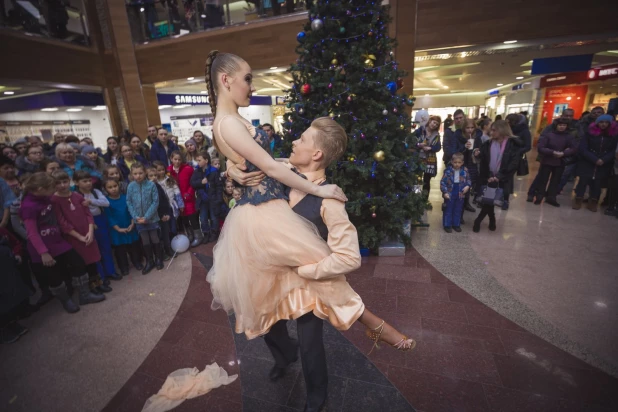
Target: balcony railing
(159,19)
(57,19)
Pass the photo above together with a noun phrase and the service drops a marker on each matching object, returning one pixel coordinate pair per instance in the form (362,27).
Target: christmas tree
(346,70)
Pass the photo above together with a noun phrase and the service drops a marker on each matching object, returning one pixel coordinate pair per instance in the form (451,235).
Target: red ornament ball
(399,83)
(305,88)
(370,33)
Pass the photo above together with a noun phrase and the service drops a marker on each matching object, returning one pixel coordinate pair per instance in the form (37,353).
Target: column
(403,29)
(127,70)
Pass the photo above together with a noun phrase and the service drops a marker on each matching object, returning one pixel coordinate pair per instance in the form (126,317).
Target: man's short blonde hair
(331,139)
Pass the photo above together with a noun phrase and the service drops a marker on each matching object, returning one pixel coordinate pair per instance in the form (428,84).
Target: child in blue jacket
(209,195)
(454,185)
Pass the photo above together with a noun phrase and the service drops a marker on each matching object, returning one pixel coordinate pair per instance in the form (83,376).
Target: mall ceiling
(464,69)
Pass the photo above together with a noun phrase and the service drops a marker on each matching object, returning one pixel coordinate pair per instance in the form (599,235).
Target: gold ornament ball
(351,158)
(402,127)
(379,156)
(369,63)
(334,62)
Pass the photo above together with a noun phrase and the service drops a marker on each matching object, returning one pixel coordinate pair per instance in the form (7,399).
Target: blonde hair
(458,156)
(39,180)
(331,139)
(61,147)
(503,128)
(216,63)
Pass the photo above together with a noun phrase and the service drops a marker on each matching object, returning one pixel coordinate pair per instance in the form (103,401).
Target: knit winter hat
(604,118)
(191,141)
(88,149)
(20,141)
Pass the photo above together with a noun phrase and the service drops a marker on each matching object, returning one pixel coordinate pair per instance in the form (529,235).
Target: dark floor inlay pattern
(205,260)
(354,382)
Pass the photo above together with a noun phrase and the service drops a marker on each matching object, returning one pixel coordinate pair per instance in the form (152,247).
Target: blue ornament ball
(180,244)
(392,87)
(301,37)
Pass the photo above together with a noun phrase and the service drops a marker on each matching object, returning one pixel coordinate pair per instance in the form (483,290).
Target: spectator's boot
(149,260)
(198,237)
(189,234)
(577,203)
(214,235)
(62,294)
(593,205)
(85,295)
(168,250)
(492,223)
(46,296)
(158,254)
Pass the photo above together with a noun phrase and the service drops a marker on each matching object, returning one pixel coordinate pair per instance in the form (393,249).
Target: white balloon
(180,244)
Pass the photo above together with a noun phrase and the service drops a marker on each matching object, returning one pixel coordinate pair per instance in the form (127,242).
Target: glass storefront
(151,20)
(57,19)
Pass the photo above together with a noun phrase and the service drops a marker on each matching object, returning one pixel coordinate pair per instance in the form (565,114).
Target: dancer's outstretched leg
(378,330)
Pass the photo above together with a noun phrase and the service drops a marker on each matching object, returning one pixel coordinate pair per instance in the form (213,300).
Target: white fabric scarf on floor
(186,384)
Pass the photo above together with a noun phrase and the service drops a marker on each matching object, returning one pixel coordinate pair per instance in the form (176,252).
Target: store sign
(202,99)
(562,79)
(494,92)
(603,73)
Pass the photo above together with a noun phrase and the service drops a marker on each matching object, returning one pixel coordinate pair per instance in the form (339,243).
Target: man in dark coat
(162,148)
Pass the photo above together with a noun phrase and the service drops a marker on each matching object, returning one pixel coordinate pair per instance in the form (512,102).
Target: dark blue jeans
(452,213)
(208,217)
(569,171)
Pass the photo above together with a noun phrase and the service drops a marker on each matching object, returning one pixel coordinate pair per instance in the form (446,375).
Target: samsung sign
(202,99)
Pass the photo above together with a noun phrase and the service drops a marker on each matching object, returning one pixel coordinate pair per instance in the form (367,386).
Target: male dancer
(321,144)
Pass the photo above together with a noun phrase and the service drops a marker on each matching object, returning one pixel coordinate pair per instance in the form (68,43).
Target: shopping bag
(491,196)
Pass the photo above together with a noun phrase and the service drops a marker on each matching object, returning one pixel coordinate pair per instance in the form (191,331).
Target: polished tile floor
(521,319)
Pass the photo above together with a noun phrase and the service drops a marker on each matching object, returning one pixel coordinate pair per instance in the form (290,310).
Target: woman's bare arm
(238,138)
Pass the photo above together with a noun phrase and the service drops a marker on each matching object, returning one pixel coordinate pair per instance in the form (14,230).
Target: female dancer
(263,241)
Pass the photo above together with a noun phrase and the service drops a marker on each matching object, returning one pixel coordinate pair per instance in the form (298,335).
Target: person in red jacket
(182,172)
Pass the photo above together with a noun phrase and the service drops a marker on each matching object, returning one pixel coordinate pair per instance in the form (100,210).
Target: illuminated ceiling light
(445,87)
(578,98)
(190,78)
(141,9)
(510,41)
(274,68)
(165,106)
(519,78)
(74,110)
(426,94)
(528,83)
(99,108)
(50,109)
(181,106)
(9,93)
(204,92)
(500,84)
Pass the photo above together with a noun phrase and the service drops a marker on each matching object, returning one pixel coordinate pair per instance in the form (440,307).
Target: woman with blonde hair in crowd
(498,158)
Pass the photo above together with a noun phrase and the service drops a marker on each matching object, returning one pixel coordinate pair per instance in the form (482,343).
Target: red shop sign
(602,73)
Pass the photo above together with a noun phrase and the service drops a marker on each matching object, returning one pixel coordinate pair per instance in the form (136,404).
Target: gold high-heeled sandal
(404,345)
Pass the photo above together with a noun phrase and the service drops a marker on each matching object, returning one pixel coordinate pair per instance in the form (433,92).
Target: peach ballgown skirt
(254,274)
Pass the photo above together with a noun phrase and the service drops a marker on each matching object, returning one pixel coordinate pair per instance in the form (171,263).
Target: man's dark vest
(309,208)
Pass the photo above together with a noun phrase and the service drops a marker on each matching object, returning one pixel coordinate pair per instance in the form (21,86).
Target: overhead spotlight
(99,108)
(9,93)
(500,84)
(204,92)
(544,101)
(519,78)
(569,97)
(274,68)
(426,94)
(528,83)
(190,78)
(445,87)
(141,10)
(74,110)
(165,106)
(50,109)
(510,41)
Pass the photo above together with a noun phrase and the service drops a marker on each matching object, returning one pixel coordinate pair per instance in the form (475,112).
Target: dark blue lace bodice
(269,189)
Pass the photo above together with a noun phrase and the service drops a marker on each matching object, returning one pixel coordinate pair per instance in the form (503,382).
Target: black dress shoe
(469,208)
(457,229)
(115,276)
(276,373)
